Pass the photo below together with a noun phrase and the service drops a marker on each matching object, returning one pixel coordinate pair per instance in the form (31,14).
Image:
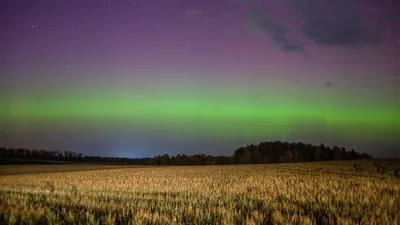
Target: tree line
(265,152)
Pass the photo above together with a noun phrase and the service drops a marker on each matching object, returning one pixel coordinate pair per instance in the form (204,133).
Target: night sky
(146,77)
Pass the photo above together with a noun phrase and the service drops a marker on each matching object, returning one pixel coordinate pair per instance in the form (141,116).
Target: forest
(262,153)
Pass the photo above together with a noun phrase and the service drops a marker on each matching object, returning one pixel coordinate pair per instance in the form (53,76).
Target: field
(52,168)
(301,193)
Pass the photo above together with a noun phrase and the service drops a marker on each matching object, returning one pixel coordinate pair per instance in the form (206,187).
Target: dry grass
(39,168)
(305,193)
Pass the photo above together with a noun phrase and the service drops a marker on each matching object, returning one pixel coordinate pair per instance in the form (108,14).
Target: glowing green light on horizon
(212,115)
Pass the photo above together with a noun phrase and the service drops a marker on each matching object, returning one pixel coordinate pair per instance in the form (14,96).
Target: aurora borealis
(142,78)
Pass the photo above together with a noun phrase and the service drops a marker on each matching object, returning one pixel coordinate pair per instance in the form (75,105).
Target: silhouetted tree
(264,152)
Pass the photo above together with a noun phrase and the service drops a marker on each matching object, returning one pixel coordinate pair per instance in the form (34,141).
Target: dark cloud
(391,12)
(374,3)
(261,19)
(328,84)
(337,23)
(348,32)
(340,23)
(288,45)
(381,3)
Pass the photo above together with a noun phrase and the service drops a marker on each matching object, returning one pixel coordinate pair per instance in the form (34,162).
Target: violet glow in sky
(141,78)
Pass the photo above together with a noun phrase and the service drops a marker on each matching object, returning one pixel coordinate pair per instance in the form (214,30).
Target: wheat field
(300,193)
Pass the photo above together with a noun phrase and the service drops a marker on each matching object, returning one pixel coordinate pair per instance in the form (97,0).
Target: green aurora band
(211,112)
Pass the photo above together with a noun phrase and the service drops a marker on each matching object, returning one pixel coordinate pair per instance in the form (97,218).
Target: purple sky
(53,44)
(205,34)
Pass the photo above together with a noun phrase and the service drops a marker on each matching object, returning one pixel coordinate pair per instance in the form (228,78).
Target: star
(69,67)
(33,26)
